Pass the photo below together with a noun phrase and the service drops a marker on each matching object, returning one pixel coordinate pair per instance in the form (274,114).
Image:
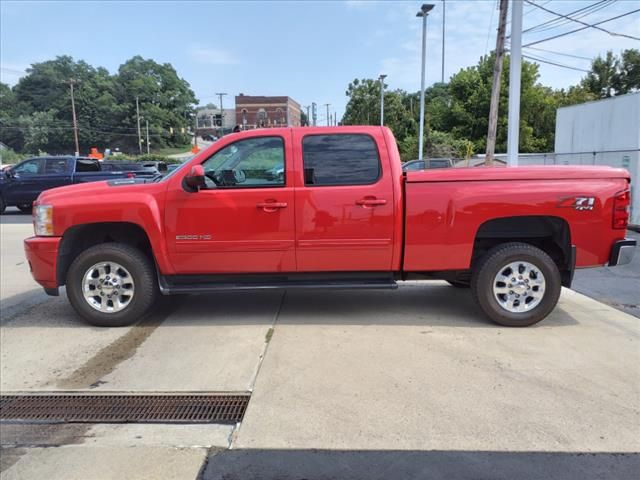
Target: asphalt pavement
(616,286)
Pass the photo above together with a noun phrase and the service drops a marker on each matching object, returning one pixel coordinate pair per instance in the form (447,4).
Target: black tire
(457,284)
(3,206)
(144,277)
(496,259)
(25,207)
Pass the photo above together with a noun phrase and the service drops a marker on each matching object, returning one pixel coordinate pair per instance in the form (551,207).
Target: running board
(175,284)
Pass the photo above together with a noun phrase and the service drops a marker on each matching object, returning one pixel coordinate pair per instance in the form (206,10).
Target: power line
(614,34)
(584,28)
(557,22)
(486,46)
(561,53)
(555,64)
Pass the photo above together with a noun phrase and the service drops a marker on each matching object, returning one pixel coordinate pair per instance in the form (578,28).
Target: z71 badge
(578,203)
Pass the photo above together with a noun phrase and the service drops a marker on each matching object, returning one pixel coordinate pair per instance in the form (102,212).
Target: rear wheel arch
(549,233)
(82,237)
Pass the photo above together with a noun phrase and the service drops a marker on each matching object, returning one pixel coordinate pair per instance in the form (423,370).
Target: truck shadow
(427,304)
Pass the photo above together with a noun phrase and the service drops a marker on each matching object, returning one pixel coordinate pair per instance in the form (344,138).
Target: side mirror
(195,178)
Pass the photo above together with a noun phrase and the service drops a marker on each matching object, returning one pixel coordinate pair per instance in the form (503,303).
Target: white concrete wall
(611,129)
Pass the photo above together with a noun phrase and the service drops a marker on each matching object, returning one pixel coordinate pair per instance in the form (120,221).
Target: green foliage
(147,157)
(457,113)
(614,75)
(36,113)
(9,156)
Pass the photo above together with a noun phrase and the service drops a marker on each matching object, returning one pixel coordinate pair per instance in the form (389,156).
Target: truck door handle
(271,206)
(371,202)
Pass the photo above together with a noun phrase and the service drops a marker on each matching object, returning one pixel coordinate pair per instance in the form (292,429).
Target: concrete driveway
(411,383)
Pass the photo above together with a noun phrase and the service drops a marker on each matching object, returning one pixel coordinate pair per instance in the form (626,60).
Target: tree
(603,76)
(629,71)
(105,106)
(613,75)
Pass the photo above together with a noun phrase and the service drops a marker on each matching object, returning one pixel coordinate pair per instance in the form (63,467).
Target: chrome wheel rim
(519,287)
(108,287)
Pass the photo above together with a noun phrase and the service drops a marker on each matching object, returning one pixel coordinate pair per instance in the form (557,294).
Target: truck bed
(548,172)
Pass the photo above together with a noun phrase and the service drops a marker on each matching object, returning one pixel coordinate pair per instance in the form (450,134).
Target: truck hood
(95,191)
(551,172)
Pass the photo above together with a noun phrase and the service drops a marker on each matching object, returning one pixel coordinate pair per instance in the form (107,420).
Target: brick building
(266,112)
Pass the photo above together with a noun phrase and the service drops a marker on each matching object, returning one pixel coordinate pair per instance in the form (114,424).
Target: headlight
(43,220)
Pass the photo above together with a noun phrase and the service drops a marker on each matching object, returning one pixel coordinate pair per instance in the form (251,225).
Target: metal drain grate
(124,408)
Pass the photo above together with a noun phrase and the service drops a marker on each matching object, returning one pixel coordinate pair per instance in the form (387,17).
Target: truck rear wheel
(112,285)
(516,284)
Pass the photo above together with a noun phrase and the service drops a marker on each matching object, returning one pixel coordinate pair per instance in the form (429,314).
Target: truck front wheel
(112,285)
(516,284)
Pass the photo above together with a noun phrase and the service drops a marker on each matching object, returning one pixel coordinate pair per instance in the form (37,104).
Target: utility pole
(443,15)
(495,88)
(327,105)
(147,136)
(220,95)
(513,128)
(138,120)
(381,78)
(72,82)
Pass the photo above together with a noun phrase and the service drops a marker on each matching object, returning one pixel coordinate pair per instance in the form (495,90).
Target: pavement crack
(252,384)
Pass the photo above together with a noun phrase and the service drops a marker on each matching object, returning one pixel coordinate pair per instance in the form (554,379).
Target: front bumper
(622,252)
(42,255)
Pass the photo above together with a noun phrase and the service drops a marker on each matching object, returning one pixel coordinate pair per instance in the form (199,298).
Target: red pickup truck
(327,208)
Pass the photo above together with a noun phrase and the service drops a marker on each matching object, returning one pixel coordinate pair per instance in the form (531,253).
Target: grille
(78,408)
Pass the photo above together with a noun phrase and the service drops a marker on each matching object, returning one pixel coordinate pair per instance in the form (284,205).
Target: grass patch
(173,150)
(267,337)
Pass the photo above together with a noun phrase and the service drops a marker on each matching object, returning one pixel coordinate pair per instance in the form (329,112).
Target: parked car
(427,163)
(342,216)
(161,167)
(21,184)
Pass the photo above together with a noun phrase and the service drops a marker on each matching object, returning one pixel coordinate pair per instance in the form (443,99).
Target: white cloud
(211,56)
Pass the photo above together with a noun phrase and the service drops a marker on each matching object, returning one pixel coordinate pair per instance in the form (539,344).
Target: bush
(9,156)
(151,157)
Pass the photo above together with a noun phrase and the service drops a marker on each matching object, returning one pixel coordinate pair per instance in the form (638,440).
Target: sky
(308,50)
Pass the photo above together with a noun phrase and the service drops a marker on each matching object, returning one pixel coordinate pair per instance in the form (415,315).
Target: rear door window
(87,166)
(339,159)
(56,166)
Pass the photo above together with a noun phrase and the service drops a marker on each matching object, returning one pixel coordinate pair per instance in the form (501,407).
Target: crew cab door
(26,181)
(344,202)
(243,221)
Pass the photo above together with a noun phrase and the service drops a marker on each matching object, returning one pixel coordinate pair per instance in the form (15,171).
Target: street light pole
(381,78)
(443,16)
(327,105)
(513,127)
(424,13)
